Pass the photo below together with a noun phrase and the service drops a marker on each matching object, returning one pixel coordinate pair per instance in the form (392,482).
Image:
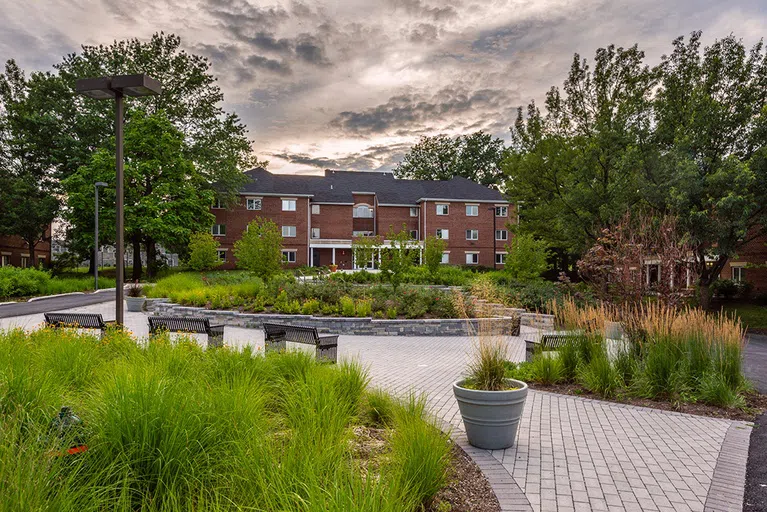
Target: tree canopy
(477,157)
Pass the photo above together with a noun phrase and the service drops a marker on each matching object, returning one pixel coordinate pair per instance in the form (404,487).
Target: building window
(315,209)
(445,258)
(362,233)
(217,205)
(472,258)
(443,234)
(218,230)
(500,258)
(315,232)
(254,203)
(739,274)
(41,261)
(414,211)
(362,211)
(24,261)
(501,234)
(288,205)
(5,261)
(289,256)
(501,211)
(472,234)
(414,234)
(472,210)
(443,209)
(288,231)
(222,255)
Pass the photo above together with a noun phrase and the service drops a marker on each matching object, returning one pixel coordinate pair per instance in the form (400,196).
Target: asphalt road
(755,361)
(54,304)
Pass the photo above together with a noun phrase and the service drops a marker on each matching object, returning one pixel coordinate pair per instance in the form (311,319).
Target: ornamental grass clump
(487,363)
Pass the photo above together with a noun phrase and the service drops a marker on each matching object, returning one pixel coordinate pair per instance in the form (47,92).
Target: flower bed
(169,426)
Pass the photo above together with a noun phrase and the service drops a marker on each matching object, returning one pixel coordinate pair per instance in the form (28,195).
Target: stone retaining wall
(335,325)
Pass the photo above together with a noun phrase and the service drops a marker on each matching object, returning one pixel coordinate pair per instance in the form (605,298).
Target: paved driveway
(755,361)
(571,453)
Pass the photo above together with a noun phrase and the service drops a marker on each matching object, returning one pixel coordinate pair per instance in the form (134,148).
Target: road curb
(35,299)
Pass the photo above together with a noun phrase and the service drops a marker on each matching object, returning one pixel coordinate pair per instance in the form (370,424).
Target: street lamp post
(96,236)
(116,87)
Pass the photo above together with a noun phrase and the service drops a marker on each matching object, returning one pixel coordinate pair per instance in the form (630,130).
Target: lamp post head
(108,87)
(100,184)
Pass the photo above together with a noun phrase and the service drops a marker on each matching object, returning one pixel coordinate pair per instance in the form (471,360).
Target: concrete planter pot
(491,418)
(135,304)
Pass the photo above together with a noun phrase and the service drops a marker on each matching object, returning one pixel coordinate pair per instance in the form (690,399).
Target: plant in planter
(135,299)
(491,405)
(333,267)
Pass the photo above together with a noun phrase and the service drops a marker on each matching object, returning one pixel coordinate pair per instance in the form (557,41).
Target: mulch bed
(467,491)
(755,498)
(756,403)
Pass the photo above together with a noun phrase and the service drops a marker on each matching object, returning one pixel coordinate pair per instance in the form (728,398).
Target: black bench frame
(77,321)
(196,325)
(277,335)
(548,342)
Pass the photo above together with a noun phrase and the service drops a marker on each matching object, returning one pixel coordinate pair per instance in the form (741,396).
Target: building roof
(339,187)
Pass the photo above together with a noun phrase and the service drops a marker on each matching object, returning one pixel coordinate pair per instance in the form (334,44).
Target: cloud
(372,158)
(309,49)
(422,10)
(259,61)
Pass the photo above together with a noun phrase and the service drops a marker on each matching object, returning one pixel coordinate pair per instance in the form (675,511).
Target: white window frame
(501,260)
(445,258)
(414,211)
(446,206)
(738,274)
(317,232)
(473,255)
(25,262)
(315,209)
(221,252)
(442,234)
(503,232)
(5,260)
(217,230)
(414,234)
(217,205)
(249,199)
(288,204)
(472,234)
(472,210)
(289,230)
(504,209)
(286,254)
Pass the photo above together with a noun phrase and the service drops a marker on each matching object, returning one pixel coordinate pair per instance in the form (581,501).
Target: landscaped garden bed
(21,283)
(169,426)
(676,359)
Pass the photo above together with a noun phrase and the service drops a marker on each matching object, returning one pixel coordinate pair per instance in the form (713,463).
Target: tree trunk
(31,244)
(137,267)
(151,257)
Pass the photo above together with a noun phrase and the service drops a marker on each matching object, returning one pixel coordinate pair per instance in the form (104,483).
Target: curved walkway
(572,453)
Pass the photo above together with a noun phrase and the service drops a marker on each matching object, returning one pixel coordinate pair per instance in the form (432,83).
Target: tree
(399,257)
(166,197)
(433,248)
(365,248)
(576,169)
(28,203)
(203,252)
(260,248)
(476,157)
(711,110)
(214,140)
(526,258)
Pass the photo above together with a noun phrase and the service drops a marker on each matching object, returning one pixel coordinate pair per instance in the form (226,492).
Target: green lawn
(753,316)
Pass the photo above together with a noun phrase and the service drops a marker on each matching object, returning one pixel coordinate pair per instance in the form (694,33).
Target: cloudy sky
(353,83)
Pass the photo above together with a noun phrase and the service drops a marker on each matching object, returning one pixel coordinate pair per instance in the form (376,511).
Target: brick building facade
(321,215)
(750,265)
(15,252)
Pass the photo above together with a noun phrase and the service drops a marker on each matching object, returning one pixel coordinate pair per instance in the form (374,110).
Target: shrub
(310,307)
(347,306)
(22,282)
(363,307)
(433,248)
(260,248)
(391,313)
(203,252)
(527,258)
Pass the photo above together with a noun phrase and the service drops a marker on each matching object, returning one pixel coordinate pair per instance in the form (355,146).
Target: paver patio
(572,453)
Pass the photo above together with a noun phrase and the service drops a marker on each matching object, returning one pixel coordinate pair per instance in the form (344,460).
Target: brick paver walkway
(572,453)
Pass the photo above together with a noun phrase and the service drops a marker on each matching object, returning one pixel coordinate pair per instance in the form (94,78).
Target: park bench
(77,321)
(276,336)
(548,342)
(193,325)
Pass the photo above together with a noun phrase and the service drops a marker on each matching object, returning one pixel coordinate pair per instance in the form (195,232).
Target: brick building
(320,215)
(750,265)
(15,252)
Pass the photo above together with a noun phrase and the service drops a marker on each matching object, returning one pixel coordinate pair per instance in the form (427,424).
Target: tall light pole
(116,87)
(96,236)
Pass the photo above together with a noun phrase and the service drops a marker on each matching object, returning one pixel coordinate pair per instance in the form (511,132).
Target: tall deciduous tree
(28,203)
(477,157)
(576,169)
(166,197)
(711,111)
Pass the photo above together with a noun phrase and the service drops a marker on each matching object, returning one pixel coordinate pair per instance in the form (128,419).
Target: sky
(352,84)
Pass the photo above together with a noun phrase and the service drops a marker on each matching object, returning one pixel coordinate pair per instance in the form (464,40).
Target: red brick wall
(394,217)
(237,219)
(16,248)
(334,221)
(754,253)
